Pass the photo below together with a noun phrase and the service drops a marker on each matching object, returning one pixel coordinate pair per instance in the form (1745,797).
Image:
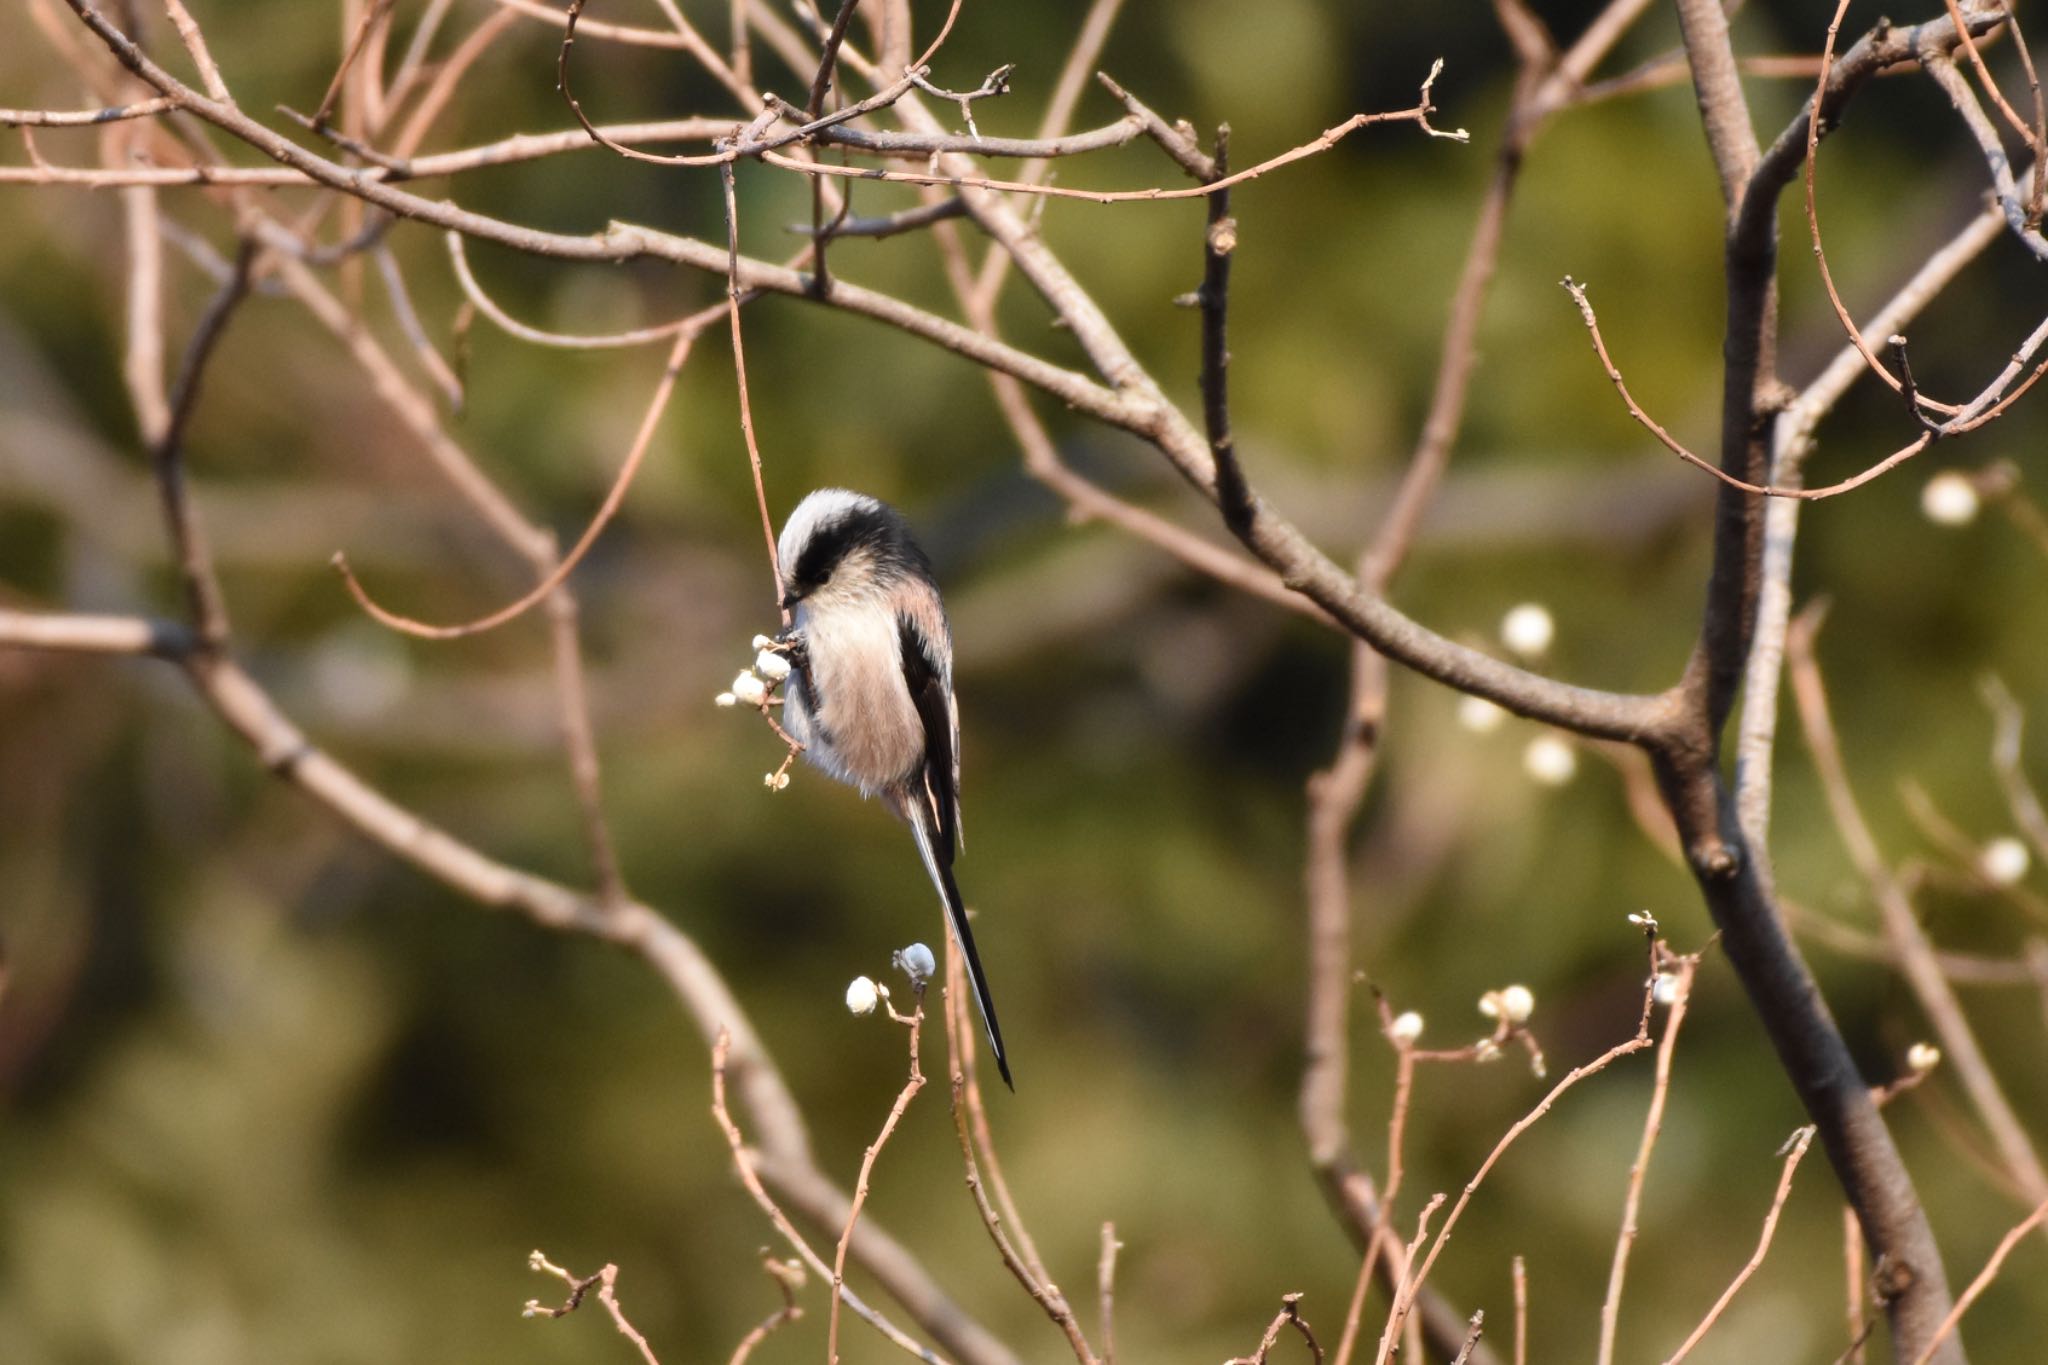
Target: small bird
(870,694)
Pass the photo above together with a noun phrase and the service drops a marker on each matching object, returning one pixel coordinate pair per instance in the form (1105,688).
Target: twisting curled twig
(615,497)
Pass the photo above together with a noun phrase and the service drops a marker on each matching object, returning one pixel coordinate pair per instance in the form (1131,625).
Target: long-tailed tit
(871,695)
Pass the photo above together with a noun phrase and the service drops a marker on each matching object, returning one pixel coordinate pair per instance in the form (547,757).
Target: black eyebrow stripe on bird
(826,547)
(878,529)
(928,695)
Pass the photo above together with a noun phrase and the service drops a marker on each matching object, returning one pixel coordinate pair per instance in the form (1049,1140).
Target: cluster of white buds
(1405,1029)
(1949,499)
(776,780)
(752,686)
(745,688)
(1510,1004)
(864,994)
(1922,1058)
(1644,920)
(1664,990)
(2003,861)
(1527,630)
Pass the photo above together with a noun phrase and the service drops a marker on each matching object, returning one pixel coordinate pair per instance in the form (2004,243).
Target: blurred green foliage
(271,1097)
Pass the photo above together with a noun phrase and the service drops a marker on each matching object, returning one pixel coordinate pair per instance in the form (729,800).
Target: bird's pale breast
(865,731)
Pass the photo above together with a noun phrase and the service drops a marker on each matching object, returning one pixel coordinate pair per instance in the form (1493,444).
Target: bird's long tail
(941,870)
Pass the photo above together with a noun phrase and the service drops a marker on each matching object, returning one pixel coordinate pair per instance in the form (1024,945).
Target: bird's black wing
(934,811)
(931,692)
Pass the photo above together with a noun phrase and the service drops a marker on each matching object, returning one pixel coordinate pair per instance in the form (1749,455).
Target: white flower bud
(1528,630)
(772,666)
(1643,919)
(862,996)
(917,963)
(2004,861)
(749,689)
(1517,1003)
(1480,716)
(1405,1029)
(1665,989)
(1949,499)
(725,699)
(762,642)
(1486,1050)
(1922,1058)
(1550,761)
(775,781)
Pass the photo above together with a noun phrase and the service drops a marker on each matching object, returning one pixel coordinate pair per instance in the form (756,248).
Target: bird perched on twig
(871,694)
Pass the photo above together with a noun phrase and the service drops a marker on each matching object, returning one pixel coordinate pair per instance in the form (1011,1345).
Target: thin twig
(742,61)
(1983,1280)
(828,58)
(572,341)
(1965,969)
(165,418)
(1672,444)
(1810,135)
(1405,1300)
(1381,1238)
(1791,443)
(83,118)
(374,11)
(1902,927)
(739,365)
(1418,115)
(1795,1149)
(579,740)
(1105,1287)
(788,1277)
(1410,1255)
(606,1282)
(890,224)
(1288,1316)
(558,571)
(1681,972)
(1089,39)
(1472,1332)
(814,106)
(915,1083)
(1521,1277)
(431,360)
(744,1161)
(195,45)
(1028,1272)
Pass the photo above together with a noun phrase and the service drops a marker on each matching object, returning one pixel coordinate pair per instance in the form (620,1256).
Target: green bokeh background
(269,1096)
